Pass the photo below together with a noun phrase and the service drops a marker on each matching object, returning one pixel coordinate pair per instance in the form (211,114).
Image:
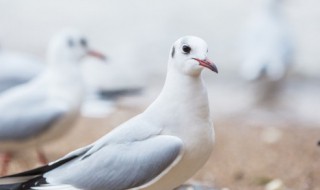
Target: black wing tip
(27,185)
(40,170)
(37,181)
(10,187)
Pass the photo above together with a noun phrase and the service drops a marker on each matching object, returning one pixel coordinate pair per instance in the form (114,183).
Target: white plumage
(158,149)
(45,108)
(267,46)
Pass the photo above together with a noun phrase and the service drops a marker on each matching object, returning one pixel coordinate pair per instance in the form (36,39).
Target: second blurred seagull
(46,107)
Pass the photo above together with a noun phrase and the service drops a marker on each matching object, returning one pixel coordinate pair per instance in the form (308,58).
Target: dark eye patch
(186,49)
(173,52)
(83,42)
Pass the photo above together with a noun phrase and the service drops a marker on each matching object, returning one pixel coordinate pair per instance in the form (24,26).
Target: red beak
(97,54)
(208,64)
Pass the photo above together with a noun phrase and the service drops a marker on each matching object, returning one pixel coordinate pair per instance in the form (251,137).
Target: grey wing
(17,69)
(26,116)
(120,166)
(7,83)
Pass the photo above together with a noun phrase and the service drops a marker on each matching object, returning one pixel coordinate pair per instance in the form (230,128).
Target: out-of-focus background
(259,142)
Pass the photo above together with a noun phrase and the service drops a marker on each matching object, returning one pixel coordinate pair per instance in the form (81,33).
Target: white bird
(17,68)
(45,108)
(158,149)
(103,85)
(267,46)
(101,95)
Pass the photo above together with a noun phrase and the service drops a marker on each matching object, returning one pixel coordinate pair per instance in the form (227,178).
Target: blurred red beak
(208,64)
(97,55)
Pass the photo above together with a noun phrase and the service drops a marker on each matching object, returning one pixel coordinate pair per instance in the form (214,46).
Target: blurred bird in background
(46,107)
(267,50)
(102,81)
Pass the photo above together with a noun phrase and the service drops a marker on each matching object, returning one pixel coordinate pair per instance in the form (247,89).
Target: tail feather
(10,187)
(40,170)
(55,187)
(27,185)
(32,178)
(15,180)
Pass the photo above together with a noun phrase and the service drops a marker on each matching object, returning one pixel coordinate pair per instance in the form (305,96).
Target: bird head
(71,46)
(189,55)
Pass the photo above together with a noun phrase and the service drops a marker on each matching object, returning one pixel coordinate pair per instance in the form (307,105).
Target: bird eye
(70,43)
(83,42)
(186,49)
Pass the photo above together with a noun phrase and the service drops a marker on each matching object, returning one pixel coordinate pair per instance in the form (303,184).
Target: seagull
(103,87)
(267,52)
(46,107)
(17,69)
(158,149)
(101,97)
(268,48)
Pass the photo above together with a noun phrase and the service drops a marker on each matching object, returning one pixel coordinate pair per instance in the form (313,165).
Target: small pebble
(275,184)
(190,188)
(271,135)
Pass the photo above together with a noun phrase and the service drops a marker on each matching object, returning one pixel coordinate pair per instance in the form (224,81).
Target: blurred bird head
(189,56)
(70,46)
